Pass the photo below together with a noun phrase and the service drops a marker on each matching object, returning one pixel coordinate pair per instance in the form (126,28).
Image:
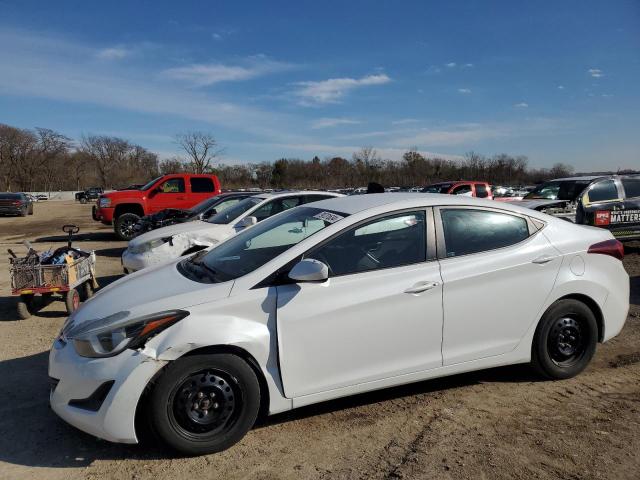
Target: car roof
(290,193)
(586,177)
(356,203)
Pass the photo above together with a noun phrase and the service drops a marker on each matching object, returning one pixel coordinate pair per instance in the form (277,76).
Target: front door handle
(543,259)
(421,287)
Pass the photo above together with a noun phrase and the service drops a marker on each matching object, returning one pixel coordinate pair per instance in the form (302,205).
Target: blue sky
(557,81)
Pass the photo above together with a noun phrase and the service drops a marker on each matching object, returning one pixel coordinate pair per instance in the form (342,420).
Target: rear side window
(201,185)
(603,191)
(469,231)
(481,190)
(631,187)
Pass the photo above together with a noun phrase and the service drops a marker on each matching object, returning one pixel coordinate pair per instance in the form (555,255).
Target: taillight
(608,247)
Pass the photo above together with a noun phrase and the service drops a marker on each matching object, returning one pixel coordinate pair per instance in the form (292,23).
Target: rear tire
(203,403)
(124,226)
(23,212)
(25,306)
(72,300)
(565,340)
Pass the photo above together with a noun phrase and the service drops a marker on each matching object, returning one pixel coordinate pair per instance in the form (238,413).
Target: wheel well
(128,208)
(231,349)
(194,249)
(594,307)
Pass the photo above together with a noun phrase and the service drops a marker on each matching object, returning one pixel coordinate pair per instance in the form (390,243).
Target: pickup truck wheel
(124,226)
(565,340)
(204,403)
(83,200)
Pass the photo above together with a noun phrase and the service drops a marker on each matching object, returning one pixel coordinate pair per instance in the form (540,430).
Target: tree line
(45,160)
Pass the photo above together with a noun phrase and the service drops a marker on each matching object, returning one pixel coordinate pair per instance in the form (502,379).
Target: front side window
(462,190)
(392,241)
(558,190)
(173,185)
(257,245)
(437,188)
(631,187)
(201,185)
(469,231)
(230,214)
(278,205)
(604,191)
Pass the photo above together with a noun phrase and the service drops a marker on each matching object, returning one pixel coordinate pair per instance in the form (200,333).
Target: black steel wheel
(203,403)
(565,340)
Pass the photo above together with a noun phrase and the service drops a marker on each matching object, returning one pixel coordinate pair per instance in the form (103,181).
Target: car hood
(195,229)
(146,292)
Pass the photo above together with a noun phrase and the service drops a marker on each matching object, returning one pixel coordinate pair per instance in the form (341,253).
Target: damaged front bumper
(99,395)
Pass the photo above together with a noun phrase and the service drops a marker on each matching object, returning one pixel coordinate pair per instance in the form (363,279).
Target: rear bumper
(11,210)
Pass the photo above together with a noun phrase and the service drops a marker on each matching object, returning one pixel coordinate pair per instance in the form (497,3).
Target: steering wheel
(70,229)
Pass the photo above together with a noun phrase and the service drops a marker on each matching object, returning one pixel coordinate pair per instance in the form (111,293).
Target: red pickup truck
(125,207)
(461,187)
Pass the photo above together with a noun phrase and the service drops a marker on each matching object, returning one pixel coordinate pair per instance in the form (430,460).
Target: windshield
(558,190)
(9,196)
(148,185)
(257,245)
(230,214)
(437,188)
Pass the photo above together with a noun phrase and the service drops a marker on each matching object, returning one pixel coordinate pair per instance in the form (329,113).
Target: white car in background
(167,243)
(331,299)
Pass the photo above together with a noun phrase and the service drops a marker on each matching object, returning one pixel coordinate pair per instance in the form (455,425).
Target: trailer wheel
(25,306)
(72,300)
(87,291)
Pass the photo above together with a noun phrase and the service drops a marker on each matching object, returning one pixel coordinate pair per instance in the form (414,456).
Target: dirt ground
(501,423)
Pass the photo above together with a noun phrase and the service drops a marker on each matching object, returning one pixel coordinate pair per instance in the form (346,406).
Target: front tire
(83,200)
(124,226)
(565,340)
(204,403)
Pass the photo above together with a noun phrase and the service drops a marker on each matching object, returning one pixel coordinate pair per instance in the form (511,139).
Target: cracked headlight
(109,336)
(150,245)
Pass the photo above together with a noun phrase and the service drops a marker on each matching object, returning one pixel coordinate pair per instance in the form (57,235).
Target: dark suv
(613,203)
(89,194)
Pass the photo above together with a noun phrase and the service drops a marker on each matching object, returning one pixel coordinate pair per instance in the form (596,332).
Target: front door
(379,314)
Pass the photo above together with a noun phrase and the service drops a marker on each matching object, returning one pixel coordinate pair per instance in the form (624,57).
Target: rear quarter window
(468,231)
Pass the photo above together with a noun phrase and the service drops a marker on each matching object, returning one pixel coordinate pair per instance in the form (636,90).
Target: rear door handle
(421,287)
(543,259)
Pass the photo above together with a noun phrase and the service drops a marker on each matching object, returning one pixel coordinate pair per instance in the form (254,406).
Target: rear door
(201,188)
(603,205)
(497,270)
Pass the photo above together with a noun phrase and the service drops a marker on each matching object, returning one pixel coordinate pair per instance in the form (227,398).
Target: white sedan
(168,243)
(332,299)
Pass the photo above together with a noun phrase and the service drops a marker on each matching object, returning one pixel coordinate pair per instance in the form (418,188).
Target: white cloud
(595,72)
(202,75)
(521,105)
(450,64)
(560,87)
(464,90)
(404,121)
(468,65)
(334,89)
(332,122)
(113,53)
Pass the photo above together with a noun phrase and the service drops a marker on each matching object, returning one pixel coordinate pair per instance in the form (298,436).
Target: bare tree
(201,148)
(107,154)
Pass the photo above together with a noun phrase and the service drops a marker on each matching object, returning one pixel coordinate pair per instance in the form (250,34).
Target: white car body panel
(187,235)
(350,334)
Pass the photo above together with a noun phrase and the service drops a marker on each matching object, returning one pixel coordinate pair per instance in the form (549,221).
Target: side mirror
(247,222)
(309,270)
